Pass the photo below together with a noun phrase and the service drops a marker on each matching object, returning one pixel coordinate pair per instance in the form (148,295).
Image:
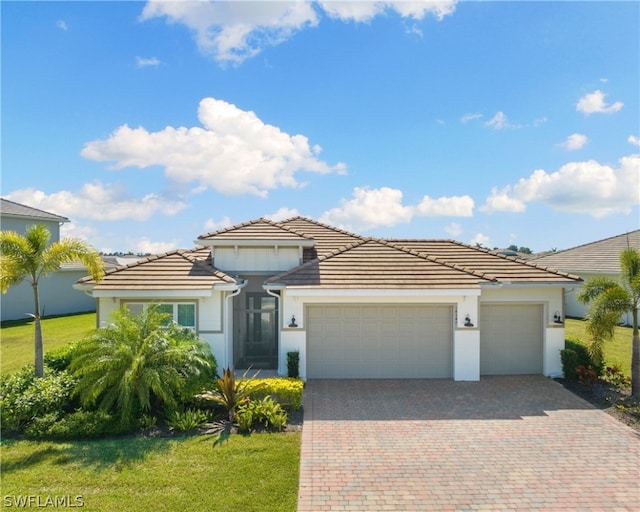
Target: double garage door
(379,341)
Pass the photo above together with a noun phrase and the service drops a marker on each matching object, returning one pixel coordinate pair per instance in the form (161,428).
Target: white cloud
(146,246)
(455,206)
(577,187)
(364,11)
(142,62)
(283,214)
(454,230)
(470,117)
(234,31)
(62,25)
(75,230)
(575,141)
(501,201)
(593,103)
(499,122)
(480,239)
(235,153)
(211,225)
(369,208)
(634,140)
(98,202)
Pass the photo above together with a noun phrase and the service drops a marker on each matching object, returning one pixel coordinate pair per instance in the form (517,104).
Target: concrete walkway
(504,443)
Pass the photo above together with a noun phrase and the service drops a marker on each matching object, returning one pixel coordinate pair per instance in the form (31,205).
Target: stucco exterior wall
(57,296)
(209,311)
(576,309)
(466,340)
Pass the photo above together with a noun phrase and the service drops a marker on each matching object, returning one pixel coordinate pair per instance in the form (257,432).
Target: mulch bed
(601,395)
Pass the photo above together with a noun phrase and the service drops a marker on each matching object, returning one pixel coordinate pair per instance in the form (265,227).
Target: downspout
(277,296)
(227,323)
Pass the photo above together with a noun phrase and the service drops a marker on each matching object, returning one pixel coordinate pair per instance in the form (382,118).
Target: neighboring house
(601,258)
(353,307)
(57,296)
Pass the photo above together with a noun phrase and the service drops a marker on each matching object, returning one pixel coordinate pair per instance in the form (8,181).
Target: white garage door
(379,341)
(510,339)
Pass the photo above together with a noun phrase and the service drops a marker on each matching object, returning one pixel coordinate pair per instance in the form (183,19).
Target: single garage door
(510,339)
(379,341)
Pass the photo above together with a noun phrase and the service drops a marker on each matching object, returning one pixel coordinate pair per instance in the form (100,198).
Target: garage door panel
(511,339)
(379,341)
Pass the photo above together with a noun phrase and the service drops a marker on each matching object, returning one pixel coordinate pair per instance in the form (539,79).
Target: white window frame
(143,305)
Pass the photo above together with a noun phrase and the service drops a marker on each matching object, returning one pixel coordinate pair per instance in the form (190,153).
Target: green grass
(16,338)
(245,473)
(616,352)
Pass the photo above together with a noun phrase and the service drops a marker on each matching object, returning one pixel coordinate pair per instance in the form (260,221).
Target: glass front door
(260,337)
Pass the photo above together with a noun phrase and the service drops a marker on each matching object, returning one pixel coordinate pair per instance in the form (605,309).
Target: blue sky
(150,123)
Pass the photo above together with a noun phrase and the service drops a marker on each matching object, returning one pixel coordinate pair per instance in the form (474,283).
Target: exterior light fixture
(467,321)
(557,317)
(293,321)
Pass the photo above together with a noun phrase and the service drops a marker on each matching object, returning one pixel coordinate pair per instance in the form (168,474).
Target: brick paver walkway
(504,443)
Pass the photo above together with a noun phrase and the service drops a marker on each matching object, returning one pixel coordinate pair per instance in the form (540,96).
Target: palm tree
(30,257)
(139,361)
(609,301)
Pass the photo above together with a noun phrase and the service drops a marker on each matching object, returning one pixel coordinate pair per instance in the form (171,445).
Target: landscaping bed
(602,395)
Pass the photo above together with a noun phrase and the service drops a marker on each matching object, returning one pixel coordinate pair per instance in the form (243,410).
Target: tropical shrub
(587,376)
(286,391)
(574,355)
(77,425)
(230,392)
(266,412)
(615,378)
(24,396)
(569,360)
(60,359)
(139,364)
(293,364)
(186,420)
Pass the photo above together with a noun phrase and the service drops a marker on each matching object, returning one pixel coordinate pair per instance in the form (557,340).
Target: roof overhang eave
(302,291)
(83,287)
(545,284)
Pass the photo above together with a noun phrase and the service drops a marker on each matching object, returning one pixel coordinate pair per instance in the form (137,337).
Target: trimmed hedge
(285,390)
(575,355)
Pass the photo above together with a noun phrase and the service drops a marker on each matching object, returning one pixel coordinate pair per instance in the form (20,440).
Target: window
(182,313)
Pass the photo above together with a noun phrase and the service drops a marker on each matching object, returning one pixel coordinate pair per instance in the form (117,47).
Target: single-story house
(595,259)
(352,306)
(57,296)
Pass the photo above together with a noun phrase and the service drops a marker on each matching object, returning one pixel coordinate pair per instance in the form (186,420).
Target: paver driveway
(504,443)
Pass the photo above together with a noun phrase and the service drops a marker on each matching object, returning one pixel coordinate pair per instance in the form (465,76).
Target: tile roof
(328,239)
(602,256)
(175,270)
(502,268)
(256,230)
(13,209)
(372,263)
(338,259)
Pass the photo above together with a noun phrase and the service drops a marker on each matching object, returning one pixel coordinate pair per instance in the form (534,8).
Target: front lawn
(16,338)
(245,473)
(616,352)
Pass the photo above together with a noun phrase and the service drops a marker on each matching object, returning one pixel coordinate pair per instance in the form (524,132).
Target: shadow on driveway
(504,397)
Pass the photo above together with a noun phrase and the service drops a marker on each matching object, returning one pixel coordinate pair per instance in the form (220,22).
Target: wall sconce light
(557,317)
(467,321)
(293,321)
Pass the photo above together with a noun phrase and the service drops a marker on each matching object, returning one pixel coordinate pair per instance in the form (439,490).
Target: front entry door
(260,341)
